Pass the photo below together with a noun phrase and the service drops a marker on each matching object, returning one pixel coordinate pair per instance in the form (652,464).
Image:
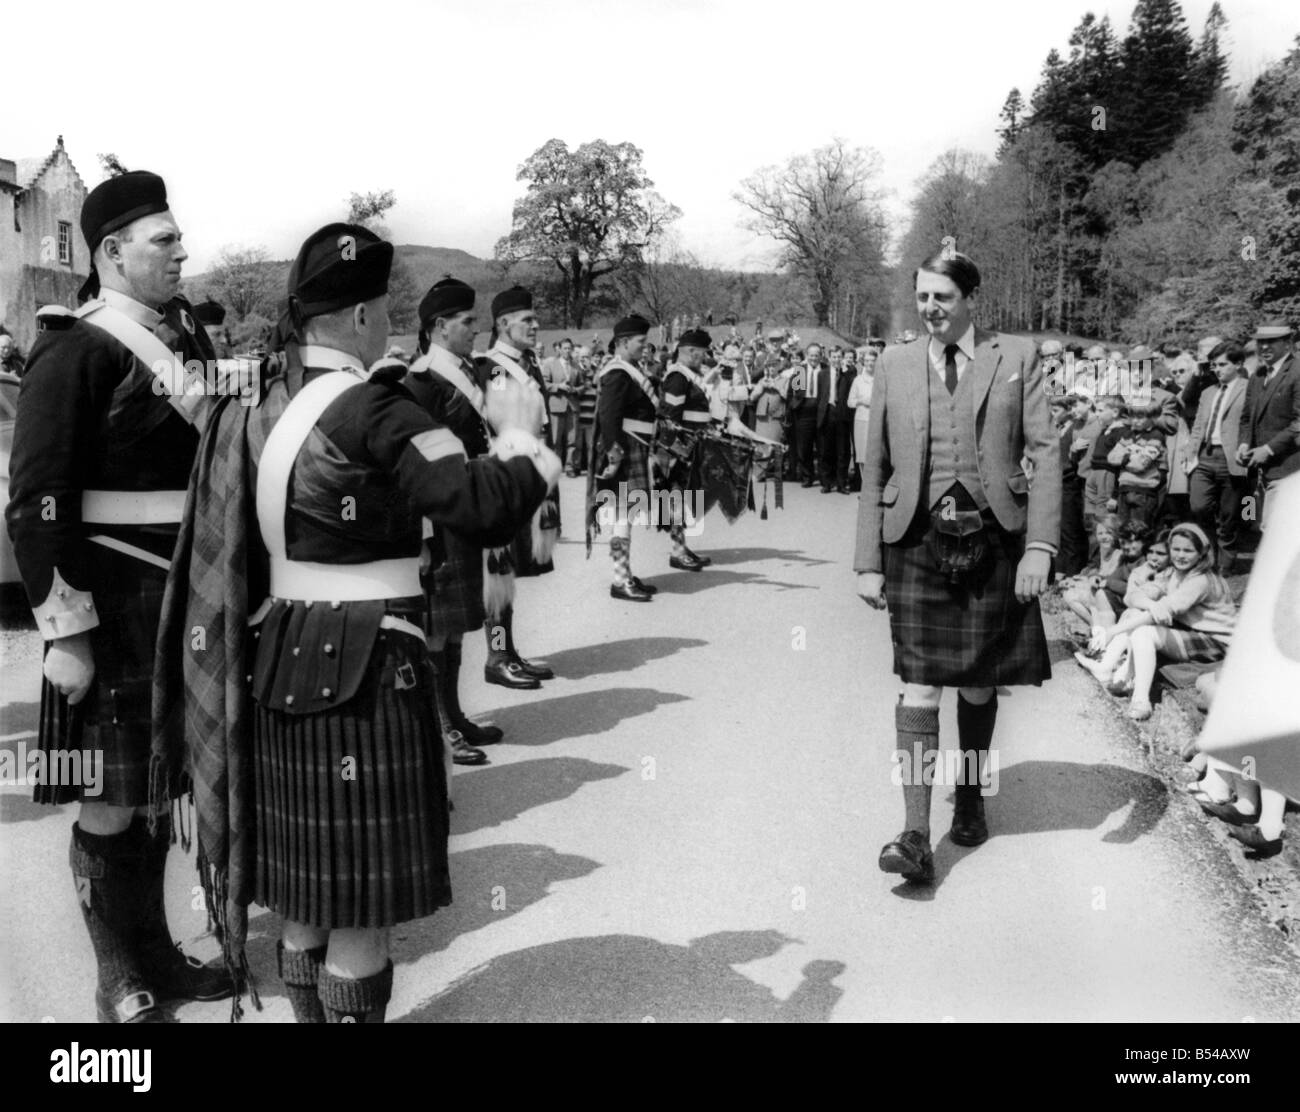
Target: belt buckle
(405,677)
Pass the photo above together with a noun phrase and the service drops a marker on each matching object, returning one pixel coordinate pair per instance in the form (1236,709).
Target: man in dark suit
(810,389)
(954,539)
(1217,481)
(840,423)
(1269,434)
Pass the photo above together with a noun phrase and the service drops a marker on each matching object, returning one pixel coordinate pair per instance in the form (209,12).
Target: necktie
(1214,416)
(950,368)
(812,381)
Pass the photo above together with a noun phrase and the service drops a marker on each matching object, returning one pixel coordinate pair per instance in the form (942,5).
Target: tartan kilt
(633,477)
(1180,642)
(454,588)
(114,720)
(363,852)
(970,636)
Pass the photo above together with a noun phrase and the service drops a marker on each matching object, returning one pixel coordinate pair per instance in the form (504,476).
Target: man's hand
(871,586)
(508,405)
(70,666)
(1031,575)
(1257,457)
(614,460)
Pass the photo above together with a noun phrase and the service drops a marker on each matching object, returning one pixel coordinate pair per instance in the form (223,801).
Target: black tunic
(90,418)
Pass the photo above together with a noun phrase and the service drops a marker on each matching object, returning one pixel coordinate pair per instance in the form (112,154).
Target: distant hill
(428,264)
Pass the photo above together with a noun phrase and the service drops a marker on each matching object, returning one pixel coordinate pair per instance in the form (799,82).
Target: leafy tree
(1011,115)
(111,165)
(246,281)
(590,213)
(368,210)
(1156,95)
(825,210)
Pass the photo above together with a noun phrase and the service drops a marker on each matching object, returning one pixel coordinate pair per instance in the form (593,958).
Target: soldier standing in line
(348,799)
(442,380)
(626,402)
(513,356)
(103,446)
(683,415)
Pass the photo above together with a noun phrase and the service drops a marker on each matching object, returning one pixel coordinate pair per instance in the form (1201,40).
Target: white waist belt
(309,582)
(132,507)
(696,415)
(646,427)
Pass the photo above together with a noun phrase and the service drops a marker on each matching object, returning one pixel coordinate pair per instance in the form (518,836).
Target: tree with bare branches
(825,209)
(590,212)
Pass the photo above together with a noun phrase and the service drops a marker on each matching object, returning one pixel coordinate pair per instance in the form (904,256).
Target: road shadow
(690,582)
(17,806)
(622,978)
(488,884)
(617,656)
(493,794)
(750,555)
(1040,796)
(544,721)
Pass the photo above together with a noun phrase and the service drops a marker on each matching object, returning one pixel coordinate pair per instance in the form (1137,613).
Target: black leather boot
(173,975)
(105,869)
(363,1000)
(472,731)
(462,752)
(534,669)
(300,971)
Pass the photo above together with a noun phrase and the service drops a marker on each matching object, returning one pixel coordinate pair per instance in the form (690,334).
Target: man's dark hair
(1233,352)
(958,267)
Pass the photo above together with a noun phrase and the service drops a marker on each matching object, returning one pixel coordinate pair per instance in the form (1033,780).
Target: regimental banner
(1254,721)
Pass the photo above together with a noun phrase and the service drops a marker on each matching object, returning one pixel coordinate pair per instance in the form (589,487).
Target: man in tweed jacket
(952,418)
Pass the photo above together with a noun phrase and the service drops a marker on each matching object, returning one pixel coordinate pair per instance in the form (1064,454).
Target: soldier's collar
(509,349)
(443,359)
(319,357)
(128,306)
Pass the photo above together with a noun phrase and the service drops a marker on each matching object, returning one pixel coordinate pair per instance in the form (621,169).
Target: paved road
(685,827)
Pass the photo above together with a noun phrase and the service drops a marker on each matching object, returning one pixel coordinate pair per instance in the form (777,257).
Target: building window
(65,242)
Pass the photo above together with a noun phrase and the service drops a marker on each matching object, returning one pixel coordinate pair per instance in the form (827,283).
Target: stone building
(43,255)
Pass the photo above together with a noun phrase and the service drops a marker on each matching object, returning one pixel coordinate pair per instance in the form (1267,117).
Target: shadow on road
(617,656)
(494,794)
(488,884)
(1040,796)
(749,555)
(547,720)
(622,978)
(689,582)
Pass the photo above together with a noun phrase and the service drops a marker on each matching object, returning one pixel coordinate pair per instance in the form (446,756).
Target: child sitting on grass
(1077,591)
(1193,621)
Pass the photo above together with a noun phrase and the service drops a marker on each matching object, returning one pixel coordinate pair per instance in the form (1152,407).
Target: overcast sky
(263,118)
